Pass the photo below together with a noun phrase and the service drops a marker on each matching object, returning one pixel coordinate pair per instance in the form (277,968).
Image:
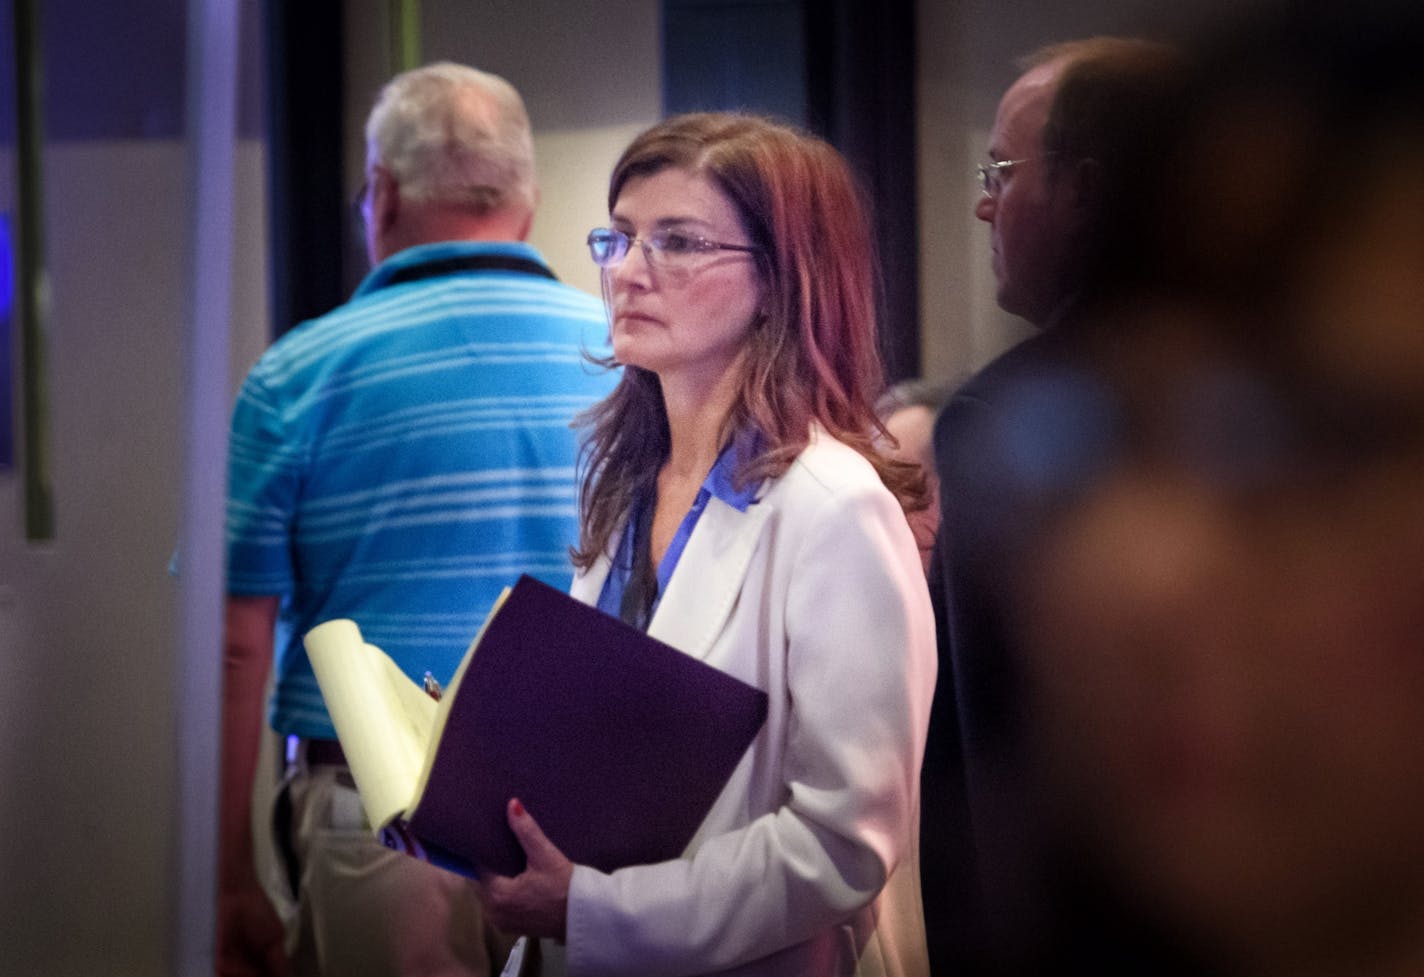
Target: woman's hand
(536,901)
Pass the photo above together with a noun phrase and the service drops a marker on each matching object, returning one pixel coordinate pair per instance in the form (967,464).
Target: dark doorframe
(845,69)
(306,190)
(860,80)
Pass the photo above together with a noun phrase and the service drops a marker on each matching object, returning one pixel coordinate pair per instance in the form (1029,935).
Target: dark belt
(317,752)
(325,753)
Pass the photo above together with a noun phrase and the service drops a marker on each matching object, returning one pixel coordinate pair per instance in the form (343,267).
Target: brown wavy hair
(813,355)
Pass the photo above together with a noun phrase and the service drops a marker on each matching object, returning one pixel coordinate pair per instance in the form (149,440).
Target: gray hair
(452,134)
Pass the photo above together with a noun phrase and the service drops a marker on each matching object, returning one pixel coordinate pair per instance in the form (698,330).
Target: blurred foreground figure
(1224,635)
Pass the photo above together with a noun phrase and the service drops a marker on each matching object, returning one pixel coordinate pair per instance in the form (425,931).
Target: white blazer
(807,863)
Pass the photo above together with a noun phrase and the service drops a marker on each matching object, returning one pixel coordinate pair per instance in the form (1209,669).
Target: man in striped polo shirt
(397,461)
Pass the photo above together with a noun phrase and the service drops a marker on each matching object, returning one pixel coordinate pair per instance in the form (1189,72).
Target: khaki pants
(362,910)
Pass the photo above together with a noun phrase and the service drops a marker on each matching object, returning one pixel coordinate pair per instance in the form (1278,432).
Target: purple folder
(615,742)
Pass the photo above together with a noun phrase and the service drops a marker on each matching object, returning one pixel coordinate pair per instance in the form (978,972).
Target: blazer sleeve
(859,659)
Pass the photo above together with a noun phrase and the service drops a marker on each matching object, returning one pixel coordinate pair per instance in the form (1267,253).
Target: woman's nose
(634,268)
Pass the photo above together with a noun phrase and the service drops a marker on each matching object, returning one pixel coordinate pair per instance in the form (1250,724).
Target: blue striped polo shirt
(402,459)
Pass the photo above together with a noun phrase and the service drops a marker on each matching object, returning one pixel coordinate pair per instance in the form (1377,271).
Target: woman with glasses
(736,507)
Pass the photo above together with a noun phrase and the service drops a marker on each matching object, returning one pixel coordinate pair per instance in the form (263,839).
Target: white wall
(594,82)
(590,75)
(87,621)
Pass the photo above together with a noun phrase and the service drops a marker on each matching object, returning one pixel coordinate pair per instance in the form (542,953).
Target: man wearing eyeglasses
(1024,433)
(1067,134)
(398,462)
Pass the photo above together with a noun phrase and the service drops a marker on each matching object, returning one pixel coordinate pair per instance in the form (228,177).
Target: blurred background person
(737,507)
(1224,637)
(908,410)
(1069,141)
(397,461)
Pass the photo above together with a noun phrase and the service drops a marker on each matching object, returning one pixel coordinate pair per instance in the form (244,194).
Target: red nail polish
(518,808)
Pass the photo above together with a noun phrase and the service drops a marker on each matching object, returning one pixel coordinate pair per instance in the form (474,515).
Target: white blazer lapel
(709,576)
(587,586)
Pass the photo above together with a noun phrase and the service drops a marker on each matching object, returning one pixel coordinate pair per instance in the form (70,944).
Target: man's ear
(385,200)
(525,226)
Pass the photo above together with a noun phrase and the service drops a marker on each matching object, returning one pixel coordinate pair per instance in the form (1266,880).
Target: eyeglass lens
(991,176)
(608,247)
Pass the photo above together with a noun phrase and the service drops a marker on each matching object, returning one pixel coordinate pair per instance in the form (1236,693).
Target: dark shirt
(1006,889)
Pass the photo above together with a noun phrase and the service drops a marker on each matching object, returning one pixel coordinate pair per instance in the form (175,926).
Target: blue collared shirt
(399,459)
(719,483)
